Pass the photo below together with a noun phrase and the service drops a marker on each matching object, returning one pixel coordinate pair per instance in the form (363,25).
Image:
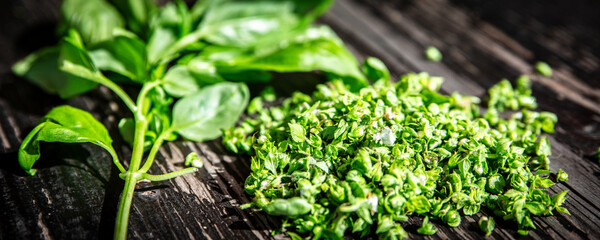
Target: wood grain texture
(76,191)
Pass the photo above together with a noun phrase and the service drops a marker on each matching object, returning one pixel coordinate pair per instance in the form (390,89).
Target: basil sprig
(183,61)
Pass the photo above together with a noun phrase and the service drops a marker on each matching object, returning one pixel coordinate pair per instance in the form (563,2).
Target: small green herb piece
(452,218)
(193,160)
(297,132)
(561,176)
(370,159)
(288,207)
(544,69)
(487,225)
(433,54)
(427,228)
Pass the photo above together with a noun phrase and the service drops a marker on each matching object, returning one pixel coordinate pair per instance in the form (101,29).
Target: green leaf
(63,124)
(201,116)
(563,210)
(182,80)
(316,48)
(311,9)
(544,69)
(288,207)
(193,160)
(422,205)
(297,132)
(433,54)
(375,69)
(452,218)
(271,163)
(42,68)
(294,236)
(74,59)
(559,199)
(243,24)
(427,228)
(172,24)
(160,41)
(536,208)
(94,19)
(561,176)
(123,54)
(137,13)
(487,225)
(544,182)
(542,148)
(199,9)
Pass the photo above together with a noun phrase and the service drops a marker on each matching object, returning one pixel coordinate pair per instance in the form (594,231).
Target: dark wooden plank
(563,32)
(76,194)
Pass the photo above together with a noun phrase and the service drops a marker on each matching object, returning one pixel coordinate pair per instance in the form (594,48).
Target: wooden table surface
(76,191)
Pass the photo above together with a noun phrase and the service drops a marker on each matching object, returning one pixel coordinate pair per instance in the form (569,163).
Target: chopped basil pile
(341,162)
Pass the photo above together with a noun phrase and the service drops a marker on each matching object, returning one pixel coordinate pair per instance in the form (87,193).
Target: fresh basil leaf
(199,9)
(322,55)
(160,40)
(94,19)
(123,54)
(74,59)
(63,124)
(137,13)
(316,48)
(183,80)
(173,22)
(202,115)
(42,69)
(312,9)
(73,52)
(243,24)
